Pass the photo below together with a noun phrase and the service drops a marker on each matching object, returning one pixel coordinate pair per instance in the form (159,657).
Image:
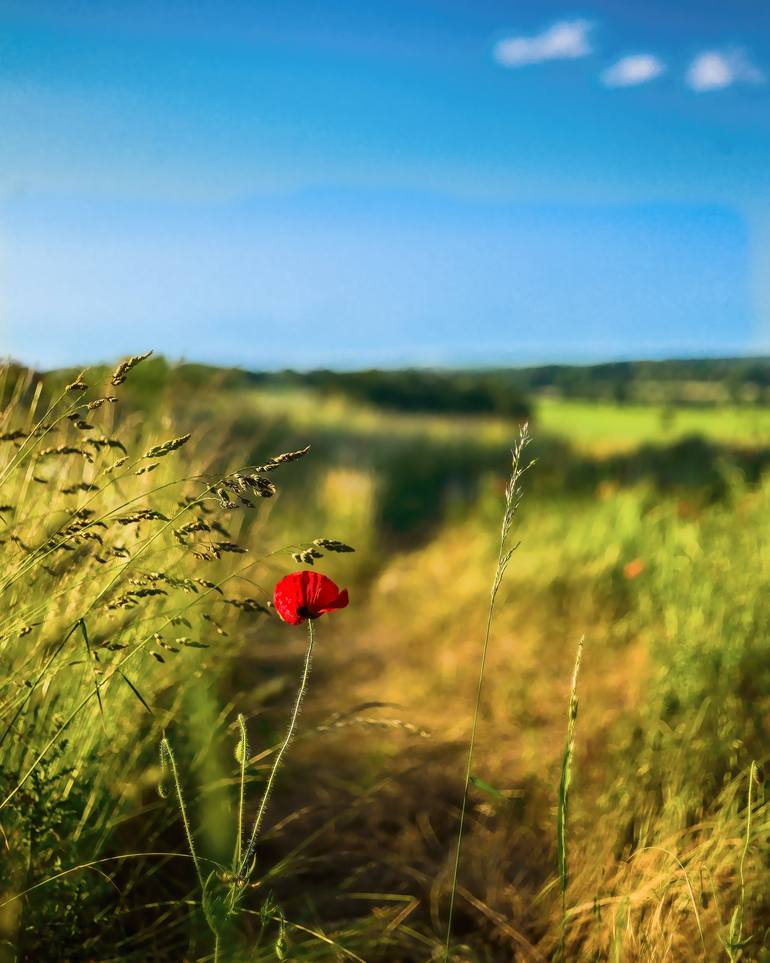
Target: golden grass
(667,849)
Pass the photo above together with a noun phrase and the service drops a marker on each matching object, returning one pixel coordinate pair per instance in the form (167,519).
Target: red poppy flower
(306,595)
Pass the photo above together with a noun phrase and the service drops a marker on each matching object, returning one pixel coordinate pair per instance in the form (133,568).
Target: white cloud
(633,70)
(565,40)
(715,70)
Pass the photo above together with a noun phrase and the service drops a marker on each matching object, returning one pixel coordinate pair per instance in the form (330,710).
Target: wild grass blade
(513,494)
(92,664)
(563,803)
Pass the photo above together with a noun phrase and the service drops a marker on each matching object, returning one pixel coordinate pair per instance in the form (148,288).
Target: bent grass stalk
(115,670)
(513,494)
(688,884)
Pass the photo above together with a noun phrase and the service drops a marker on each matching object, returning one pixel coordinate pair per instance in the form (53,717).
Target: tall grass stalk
(513,494)
(564,784)
(735,943)
(242,756)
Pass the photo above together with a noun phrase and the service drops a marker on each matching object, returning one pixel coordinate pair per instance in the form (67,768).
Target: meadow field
(147,683)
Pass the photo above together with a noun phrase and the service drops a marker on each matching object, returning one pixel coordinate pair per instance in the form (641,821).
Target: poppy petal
(307,594)
(289,598)
(340,602)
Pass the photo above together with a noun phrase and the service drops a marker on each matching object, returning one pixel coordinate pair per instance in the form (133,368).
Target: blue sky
(352,183)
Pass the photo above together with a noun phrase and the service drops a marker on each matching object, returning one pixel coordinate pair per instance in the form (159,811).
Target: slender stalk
(243,752)
(563,804)
(249,852)
(167,755)
(468,767)
(512,500)
(747,840)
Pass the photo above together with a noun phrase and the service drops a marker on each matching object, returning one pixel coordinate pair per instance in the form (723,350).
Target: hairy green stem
(249,851)
(243,751)
(167,755)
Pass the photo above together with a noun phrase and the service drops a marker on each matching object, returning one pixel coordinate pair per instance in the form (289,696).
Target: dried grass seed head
(159,451)
(332,545)
(121,372)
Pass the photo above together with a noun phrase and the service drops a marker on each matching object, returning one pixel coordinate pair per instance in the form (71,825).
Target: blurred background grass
(644,528)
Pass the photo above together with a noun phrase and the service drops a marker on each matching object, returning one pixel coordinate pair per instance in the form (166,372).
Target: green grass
(626,538)
(604,426)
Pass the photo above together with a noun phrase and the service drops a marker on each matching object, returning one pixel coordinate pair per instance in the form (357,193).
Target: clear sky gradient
(351,182)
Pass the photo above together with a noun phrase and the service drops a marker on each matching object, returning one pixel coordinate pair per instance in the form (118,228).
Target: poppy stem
(249,851)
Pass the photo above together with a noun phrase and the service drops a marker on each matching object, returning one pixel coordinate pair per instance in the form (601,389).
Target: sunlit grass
(669,832)
(604,426)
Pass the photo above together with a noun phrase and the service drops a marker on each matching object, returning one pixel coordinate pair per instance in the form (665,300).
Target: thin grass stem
(505,551)
(563,803)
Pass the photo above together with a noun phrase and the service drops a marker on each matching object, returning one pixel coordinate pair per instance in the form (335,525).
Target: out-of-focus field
(611,426)
(644,528)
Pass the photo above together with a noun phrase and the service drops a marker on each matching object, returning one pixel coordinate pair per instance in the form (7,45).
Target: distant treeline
(424,390)
(506,392)
(687,381)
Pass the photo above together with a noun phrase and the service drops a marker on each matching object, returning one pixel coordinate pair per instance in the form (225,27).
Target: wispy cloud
(717,69)
(565,40)
(633,70)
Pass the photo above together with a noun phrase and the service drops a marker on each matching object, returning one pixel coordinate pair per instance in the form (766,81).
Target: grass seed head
(78,384)
(277,460)
(259,486)
(143,515)
(332,545)
(224,499)
(120,374)
(104,442)
(288,456)
(159,451)
(228,547)
(80,487)
(66,450)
